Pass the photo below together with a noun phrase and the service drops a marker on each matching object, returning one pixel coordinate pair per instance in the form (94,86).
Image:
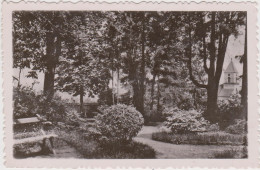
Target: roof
(225,92)
(231,68)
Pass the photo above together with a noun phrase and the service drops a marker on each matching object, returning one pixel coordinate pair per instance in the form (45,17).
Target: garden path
(173,151)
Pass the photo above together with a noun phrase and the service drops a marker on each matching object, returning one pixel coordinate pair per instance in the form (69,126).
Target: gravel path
(173,151)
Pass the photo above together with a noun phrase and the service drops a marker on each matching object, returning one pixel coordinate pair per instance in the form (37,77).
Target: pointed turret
(230,73)
(231,68)
(230,82)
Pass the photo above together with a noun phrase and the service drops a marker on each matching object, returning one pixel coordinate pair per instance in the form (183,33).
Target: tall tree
(208,35)
(80,68)
(133,54)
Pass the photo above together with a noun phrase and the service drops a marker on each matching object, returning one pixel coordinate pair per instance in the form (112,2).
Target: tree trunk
(158,97)
(19,78)
(212,97)
(136,97)
(53,50)
(152,92)
(113,95)
(194,98)
(49,81)
(81,108)
(118,85)
(142,89)
(212,89)
(215,67)
(48,88)
(244,77)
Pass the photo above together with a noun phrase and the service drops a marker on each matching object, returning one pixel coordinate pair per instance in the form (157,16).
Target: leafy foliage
(119,123)
(163,54)
(80,68)
(186,102)
(27,103)
(239,127)
(229,110)
(182,121)
(169,111)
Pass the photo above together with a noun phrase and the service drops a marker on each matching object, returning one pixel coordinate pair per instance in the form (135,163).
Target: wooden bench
(43,137)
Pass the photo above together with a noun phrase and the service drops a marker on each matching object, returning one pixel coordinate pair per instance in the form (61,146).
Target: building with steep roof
(231,82)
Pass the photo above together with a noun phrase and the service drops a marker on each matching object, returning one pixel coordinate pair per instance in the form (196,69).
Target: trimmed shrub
(119,123)
(183,121)
(91,149)
(238,128)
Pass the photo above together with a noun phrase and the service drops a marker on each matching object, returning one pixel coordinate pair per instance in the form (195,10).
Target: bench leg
(52,145)
(51,141)
(47,148)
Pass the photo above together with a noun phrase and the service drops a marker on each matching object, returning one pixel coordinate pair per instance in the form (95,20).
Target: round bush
(119,123)
(183,121)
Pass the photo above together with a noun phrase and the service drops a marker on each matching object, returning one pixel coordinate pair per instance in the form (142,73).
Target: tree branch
(189,60)
(221,56)
(212,48)
(194,81)
(205,56)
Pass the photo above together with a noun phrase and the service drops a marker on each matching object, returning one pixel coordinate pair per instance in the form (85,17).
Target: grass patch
(206,138)
(27,150)
(231,153)
(91,149)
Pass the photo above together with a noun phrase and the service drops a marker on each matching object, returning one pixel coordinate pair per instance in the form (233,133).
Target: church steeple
(230,73)
(231,68)
(231,84)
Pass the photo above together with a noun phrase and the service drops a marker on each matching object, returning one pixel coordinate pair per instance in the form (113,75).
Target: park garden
(154,77)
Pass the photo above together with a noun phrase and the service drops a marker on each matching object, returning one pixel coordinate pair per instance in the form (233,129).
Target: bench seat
(34,139)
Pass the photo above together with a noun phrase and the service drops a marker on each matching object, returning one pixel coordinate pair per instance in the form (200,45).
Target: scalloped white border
(187,5)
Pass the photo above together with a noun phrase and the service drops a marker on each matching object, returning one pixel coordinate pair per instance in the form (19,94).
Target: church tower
(231,76)
(231,84)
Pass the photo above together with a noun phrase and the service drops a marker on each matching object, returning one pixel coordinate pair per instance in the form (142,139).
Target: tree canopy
(149,53)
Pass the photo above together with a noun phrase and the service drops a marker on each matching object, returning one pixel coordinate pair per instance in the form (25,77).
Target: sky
(235,47)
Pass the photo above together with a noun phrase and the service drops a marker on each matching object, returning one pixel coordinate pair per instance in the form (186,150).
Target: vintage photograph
(130,84)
